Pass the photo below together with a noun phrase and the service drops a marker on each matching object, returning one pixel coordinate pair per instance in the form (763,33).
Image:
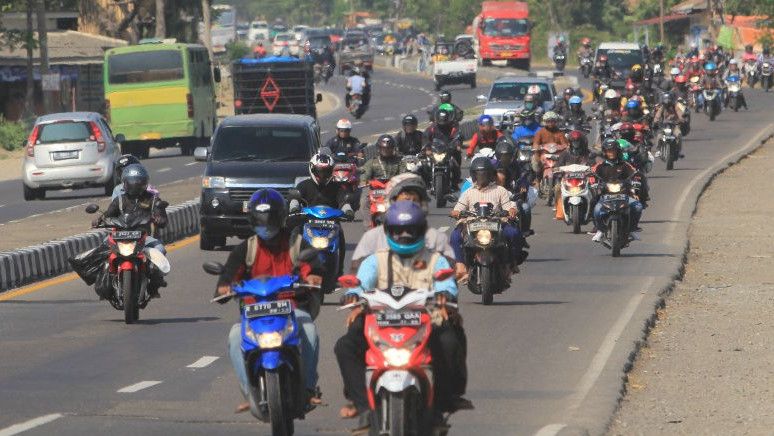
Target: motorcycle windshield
(132,220)
(265,286)
(323,212)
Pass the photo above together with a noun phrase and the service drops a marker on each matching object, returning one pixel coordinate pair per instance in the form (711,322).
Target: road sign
(270,93)
(50,82)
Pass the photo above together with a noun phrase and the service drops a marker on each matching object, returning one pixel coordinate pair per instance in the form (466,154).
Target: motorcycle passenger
(123,162)
(529,125)
(559,47)
(657,55)
(614,169)
(585,49)
(320,189)
(511,177)
(485,137)
(549,134)
(356,84)
(485,190)
(408,262)
(562,107)
(344,142)
(268,253)
(136,198)
(409,139)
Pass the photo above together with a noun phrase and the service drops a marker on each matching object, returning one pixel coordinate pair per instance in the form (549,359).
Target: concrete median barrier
(30,264)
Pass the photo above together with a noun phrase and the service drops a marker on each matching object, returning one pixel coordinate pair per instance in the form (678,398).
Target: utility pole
(661,20)
(161,25)
(206,23)
(43,47)
(29,107)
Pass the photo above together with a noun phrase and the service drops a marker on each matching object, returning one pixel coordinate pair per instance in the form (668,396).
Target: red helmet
(576,135)
(680,79)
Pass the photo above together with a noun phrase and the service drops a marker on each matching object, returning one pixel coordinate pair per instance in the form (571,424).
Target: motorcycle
(585,66)
(356,107)
(129,262)
(669,146)
(711,103)
(377,199)
(399,376)
(560,60)
(549,153)
(577,197)
(658,74)
(615,200)
(441,172)
(345,172)
(322,72)
(682,107)
(733,92)
(696,90)
(750,71)
(270,344)
(766,71)
(485,249)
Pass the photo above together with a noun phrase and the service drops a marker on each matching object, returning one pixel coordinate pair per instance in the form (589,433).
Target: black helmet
(445,96)
(482,166)
(410,120)
(123,162)
(666,98)
(443,118)
(611,144)
(135,180)
(386,144)
(568,92)
(504,146)
(267,212)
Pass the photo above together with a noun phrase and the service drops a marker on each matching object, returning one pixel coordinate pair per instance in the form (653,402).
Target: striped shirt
(492,193)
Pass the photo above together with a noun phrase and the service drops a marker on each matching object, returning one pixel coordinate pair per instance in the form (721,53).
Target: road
(548,353)
(394,95)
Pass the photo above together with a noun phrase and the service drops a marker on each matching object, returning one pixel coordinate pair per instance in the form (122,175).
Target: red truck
(502,33)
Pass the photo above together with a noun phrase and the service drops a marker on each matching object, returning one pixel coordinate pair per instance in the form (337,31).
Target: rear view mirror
(293,194)
(201,153)
(349,281)
(120,138)
(318,98)
(213,268)
(92,208)
(216,74)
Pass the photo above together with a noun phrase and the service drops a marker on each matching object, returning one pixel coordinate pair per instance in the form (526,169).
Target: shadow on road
(57,302)
(172,320)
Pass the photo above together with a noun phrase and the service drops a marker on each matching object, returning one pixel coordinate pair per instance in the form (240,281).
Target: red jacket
(482,140)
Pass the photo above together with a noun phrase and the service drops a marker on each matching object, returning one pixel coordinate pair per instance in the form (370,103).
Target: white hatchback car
(70,150)
(284,41)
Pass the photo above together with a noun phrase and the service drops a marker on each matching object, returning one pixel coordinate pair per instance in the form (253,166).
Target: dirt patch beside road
(707,366)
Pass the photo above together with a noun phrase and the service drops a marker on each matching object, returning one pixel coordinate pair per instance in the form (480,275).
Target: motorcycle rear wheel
(669,154)
(129,291)
(440,190)
(576,219)
(281,421)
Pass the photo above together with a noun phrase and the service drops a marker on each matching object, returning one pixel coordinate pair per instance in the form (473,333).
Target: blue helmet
(633,104)
(405,224)
(267,211)
(710,66)
(485,120)
(575,100)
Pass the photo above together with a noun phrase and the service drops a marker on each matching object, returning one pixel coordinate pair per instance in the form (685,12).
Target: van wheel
(31,194)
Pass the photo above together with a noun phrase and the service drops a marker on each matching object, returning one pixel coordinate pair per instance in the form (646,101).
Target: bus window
(145,66)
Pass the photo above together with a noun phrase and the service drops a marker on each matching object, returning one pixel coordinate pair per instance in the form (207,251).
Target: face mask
(266,232)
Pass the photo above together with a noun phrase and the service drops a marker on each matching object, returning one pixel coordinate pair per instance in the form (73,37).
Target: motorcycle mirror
(92,208)
(163,204)
(213,268)
(443,274)
(348,281)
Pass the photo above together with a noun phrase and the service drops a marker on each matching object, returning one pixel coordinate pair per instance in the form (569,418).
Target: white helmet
(674,71)
(550,116)
(732,62)
(344,124)
(485,152)
(611,93)
(321,168)
(533,89)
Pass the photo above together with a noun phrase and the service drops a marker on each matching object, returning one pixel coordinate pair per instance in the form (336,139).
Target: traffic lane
(394,94)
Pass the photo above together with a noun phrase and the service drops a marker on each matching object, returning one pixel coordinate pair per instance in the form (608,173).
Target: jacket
(409,143)
(483,140)
(383,169)
(349,145)
(147,203)
(545,136)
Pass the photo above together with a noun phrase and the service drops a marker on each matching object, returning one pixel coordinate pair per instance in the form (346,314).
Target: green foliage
(237,50)
(12,135)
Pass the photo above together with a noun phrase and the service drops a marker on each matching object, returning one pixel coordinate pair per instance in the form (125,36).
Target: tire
(486,283)
(188,146)
(440,190)
(669,154)
(734,105)
(473,83)
(437,86)
(208,242)
(129,291)
(31,194)
(576,219)
(712,114)
(615,238)
(278,416)
(396,414)
(486,62)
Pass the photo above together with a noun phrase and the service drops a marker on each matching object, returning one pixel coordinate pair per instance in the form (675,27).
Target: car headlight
(484,237)
(614,187)
(213,182)
(397,356)
(320,242)
(439,157)
(126,249)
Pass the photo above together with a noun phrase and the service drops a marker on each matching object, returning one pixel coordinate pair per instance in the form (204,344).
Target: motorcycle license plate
(245,206)
(575,175)
(399,319)
(483,225)
(124,235)
(615,197)
(270,308)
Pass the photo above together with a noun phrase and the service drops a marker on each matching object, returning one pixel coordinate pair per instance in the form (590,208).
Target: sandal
(348,412)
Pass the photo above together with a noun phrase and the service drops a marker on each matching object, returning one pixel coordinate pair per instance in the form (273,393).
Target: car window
(106,128)
(510,91)
(622,58)
(261,143)
(65,131)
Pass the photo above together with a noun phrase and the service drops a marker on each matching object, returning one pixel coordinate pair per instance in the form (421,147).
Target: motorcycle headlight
(614,188)
(320,242)
(484,237)
(733,88)
(574,190)
(398,357)
(439,157)
(126,248)
(667,131)
(381,208)
(269,339)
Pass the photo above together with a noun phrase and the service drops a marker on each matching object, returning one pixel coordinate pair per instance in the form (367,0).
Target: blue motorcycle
(322,232)
(270,343)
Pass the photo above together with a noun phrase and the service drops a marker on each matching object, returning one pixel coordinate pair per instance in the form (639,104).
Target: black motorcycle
(615,200)
(669,145)
(560,60)
(485,251)
(441,171)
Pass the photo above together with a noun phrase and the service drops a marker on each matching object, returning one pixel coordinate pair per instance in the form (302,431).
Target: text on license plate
(270,308)
(482,225)
(63,155)
(615,197)
(123,235)
(399,319)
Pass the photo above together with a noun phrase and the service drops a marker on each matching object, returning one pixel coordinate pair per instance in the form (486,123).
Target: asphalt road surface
(394,95)
(548,353)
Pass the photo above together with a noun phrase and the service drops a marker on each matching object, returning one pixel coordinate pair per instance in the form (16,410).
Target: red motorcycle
(549,153)
(399,375)
(377,199)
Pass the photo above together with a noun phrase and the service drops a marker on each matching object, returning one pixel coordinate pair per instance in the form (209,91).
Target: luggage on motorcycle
(102,286)
(89,263)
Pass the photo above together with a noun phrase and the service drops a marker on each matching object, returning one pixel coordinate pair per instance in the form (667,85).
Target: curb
(30,264)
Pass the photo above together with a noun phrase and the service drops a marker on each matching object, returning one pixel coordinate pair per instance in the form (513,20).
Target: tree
(161,28)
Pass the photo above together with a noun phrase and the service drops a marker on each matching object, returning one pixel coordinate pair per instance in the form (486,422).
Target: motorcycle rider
(585,49)
(320,189)
(120,164)
(409,139)
(694,51)
(667,112)
(576,116)
(356,84)
(710,80)
(614,169)
(657,55)
(549,134)
(407,262)
(748,54)
(636,76)
(384,166)
(268,253)
(444,129)
(445,98)
(344,142)
(485,137)
(578,153)
(602,73)
(733,70)
(612,102)
(559,47)
(259,51)
(136,198)
(529,125)
(562,106)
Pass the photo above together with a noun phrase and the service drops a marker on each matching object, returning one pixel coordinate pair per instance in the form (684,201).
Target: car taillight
(107,110)
(189,101)
(97,134)
(31,141)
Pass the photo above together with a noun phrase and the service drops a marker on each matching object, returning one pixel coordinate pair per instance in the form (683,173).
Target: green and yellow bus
(160,95)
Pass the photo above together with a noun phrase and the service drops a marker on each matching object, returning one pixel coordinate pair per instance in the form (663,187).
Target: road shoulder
(705,368)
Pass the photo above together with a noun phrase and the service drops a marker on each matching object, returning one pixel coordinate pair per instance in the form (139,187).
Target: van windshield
(510,91)
(505,27)
(622,58)
(261,144)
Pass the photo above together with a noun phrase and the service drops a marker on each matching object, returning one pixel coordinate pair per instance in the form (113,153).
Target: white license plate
(272,308)
(64,155)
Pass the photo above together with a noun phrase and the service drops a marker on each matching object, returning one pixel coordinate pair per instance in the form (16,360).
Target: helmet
(410,120)
(344,124)
(407,182)
(503,146)
(123,162)
(666,98)
(575,100)
(267,210)
(611,144)
(529,102)
(485,120)
(135,179)
(611,93)
(446,107)
(405,224)
(527,116)
(585,41)
(732,62)
(636,72)
(321,168)
(386,144)
(569,92)
(710,67)
(578,141)
(625,147)
(680,79)
(443,118)
(626,131)
(632,104)
(674,71)
(355,71)
(482,166)
(550,116)
(445,96)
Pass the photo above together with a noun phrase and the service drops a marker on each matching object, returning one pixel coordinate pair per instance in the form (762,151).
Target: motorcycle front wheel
(615,237)
(576,219)
(669,155)
(129,291)
(485,284)
(440,190)
(281,420)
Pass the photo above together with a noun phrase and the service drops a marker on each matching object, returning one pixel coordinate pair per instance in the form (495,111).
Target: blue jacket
(523,131)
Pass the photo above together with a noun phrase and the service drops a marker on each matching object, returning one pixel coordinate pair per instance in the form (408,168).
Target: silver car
(69,150)
(507,95)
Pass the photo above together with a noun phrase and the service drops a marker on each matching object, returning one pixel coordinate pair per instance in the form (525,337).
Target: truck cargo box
(273,85)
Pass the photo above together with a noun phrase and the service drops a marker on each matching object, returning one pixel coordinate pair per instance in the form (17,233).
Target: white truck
(454,63)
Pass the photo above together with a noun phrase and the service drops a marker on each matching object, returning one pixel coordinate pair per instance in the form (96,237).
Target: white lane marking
(550,430)
(389,118)
(163,170)
(204,362)
(2,205)
(191,163)
(356,123)
(29,425)
(138,386)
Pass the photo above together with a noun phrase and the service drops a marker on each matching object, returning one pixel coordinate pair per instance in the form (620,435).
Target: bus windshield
(505,27)
(145,66)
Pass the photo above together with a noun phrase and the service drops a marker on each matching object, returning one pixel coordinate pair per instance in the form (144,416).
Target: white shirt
(356,84)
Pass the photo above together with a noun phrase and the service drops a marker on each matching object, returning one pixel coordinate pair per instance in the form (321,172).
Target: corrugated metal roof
(65,47)
(688,6)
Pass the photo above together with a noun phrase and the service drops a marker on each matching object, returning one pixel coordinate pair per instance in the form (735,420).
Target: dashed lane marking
(204,362)
(138,386)
(551,430)
(163,170)
(191,163)
(29,425)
